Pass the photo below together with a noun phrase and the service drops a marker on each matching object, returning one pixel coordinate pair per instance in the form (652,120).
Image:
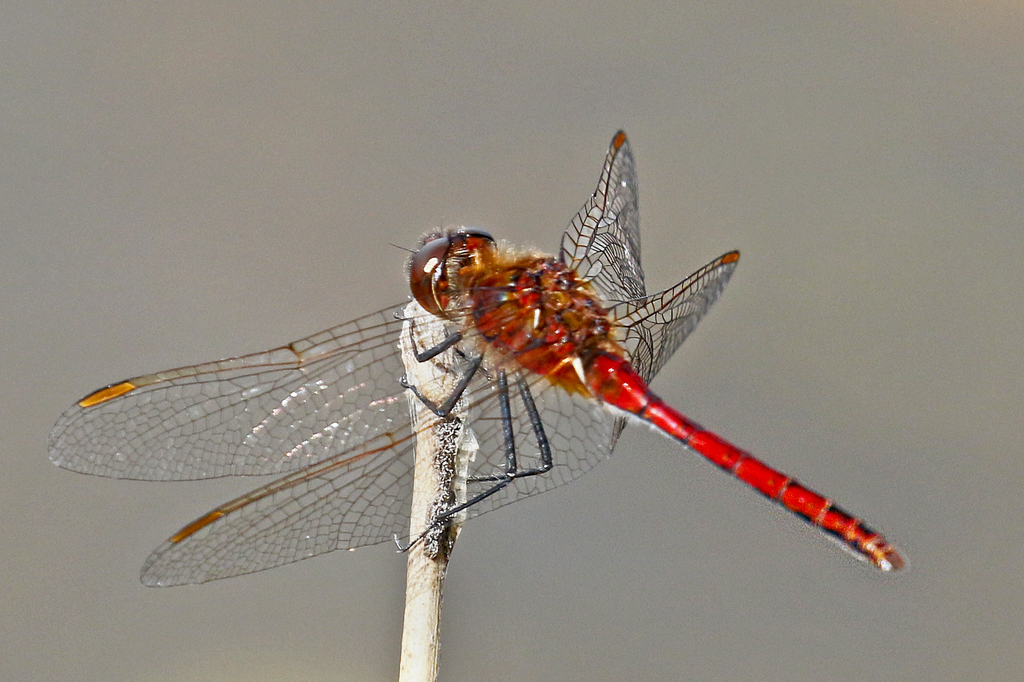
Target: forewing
(602,242)
(654,326)
(263,413)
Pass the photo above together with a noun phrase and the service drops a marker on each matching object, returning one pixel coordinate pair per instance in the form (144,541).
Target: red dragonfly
(549,358)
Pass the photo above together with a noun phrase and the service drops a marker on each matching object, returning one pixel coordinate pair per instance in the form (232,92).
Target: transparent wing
(654,326)
(264,413)
(602,242)
(328,409)
(362,496)
(357,498)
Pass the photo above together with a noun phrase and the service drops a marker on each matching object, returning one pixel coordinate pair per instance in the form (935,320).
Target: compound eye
(428,275)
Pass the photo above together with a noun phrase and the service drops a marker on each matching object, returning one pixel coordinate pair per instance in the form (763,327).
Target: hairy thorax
(535,309)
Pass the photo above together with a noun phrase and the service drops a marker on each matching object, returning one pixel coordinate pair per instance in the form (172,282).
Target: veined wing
(362,497)
(263,413)
(330,410)
(602,242)
(356,498)
(654,326)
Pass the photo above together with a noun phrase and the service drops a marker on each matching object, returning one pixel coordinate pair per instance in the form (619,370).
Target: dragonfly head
(432,267)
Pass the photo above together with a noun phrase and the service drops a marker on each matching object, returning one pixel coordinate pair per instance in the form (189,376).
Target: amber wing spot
(195,526)
(731,257)
(105,394)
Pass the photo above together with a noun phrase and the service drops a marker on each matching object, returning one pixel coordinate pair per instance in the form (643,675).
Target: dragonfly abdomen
(615,382)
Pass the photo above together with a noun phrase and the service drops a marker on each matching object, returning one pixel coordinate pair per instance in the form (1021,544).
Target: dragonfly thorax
(525,308)
(538,311)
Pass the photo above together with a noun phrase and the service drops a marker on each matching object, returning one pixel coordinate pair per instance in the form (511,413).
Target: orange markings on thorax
(537,310)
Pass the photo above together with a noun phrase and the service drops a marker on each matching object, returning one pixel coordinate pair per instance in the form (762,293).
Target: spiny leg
(538,430)
(445,408)
(423,356)
(512,471)
(502,481)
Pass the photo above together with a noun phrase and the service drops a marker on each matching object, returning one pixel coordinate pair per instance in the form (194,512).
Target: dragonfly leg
(423,356)
(501,480)
(446,407)
(538,431)
(512,470)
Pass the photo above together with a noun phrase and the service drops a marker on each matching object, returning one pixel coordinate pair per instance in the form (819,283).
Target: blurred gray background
(206,179)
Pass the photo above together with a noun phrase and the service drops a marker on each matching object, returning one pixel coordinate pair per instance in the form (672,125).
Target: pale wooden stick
(443,449)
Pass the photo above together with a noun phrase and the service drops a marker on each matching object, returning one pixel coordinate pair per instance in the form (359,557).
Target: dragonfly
(549,357)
